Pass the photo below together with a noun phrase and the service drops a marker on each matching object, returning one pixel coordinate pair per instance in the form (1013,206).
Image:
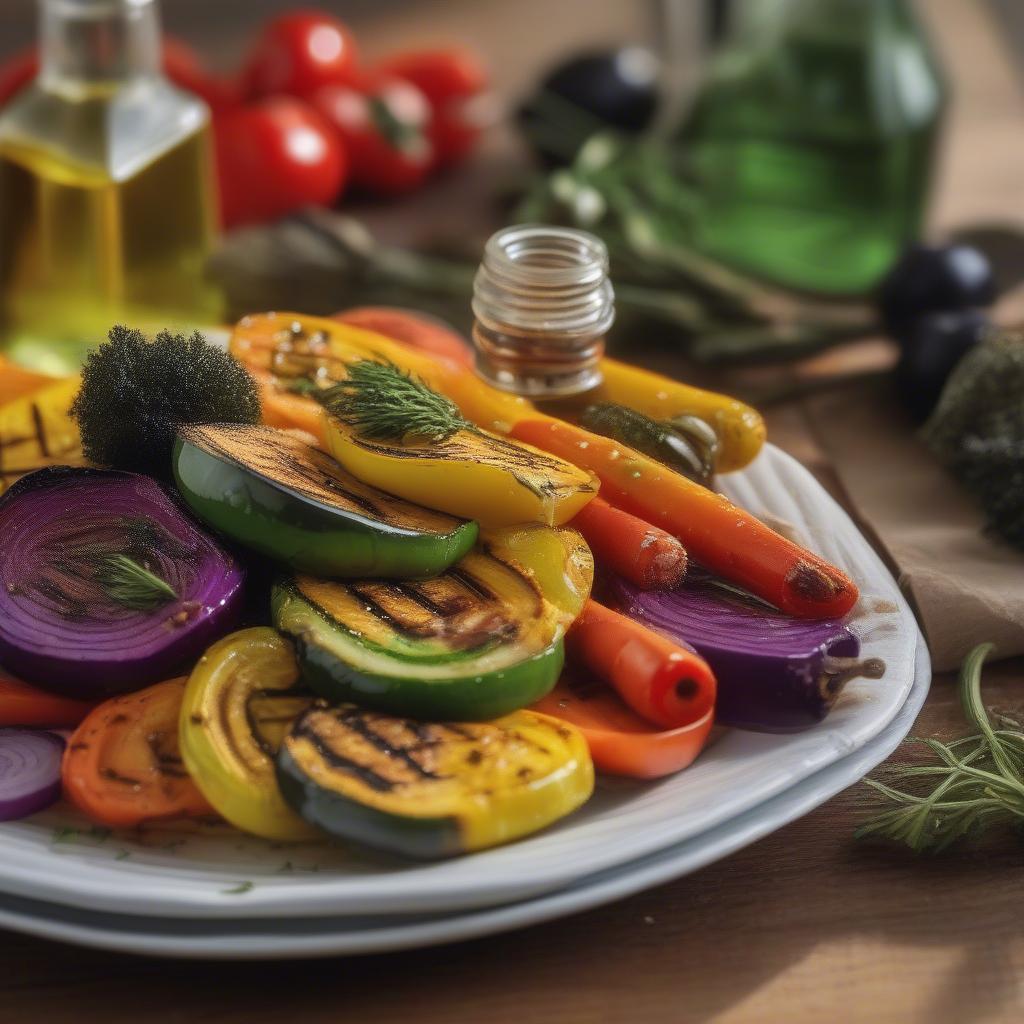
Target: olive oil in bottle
(106,192)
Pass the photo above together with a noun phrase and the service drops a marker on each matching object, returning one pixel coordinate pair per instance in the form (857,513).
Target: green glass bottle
(811,141)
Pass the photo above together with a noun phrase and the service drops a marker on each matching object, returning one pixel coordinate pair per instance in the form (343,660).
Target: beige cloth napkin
(966,587)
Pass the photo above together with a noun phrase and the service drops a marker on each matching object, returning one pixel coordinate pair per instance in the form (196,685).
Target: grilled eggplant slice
(477,642)
(283,497)
(240,701)
(432,790)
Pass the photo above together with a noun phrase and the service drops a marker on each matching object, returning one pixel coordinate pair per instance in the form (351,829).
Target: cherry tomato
(181,65)
(384,129)
(17,71)
(276,156)
(454,82)
(297,53)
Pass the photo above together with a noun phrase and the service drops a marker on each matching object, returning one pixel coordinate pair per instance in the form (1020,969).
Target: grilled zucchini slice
(432,790)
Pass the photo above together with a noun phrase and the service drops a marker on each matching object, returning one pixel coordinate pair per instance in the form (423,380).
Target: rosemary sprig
(977,782)
(123,580)
(382,402)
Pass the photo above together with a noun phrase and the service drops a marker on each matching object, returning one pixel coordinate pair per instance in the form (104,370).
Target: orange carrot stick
(620,741)
(24,705)
(416,330)
(645,555)
(718,534)
(660,680)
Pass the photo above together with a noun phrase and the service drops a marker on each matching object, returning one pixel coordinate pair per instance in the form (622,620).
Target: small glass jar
(543,305)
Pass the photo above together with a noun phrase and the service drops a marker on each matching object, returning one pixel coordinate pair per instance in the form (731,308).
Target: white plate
(243,877)
(292,937)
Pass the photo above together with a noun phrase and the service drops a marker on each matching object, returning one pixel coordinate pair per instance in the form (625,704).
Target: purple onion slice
(774,673)
(106,584)
(29,771)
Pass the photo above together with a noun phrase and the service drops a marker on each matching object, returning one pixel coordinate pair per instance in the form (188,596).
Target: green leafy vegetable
(382,402)
(976,782)
(136,393)
(977,430)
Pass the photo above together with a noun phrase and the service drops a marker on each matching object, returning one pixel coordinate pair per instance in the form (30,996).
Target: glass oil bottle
(107,208)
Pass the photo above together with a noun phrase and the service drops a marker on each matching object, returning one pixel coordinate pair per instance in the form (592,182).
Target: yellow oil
(81,250)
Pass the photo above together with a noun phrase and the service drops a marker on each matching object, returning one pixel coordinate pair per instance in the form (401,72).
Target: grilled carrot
(631,547)
(718,534)
(415,330)
(661,681)
(24,705)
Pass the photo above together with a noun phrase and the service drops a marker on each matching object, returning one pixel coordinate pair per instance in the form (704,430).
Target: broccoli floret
(977,430)
(135,393)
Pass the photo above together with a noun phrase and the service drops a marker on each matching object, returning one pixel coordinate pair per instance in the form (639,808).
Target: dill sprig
(382,402)
(123,580)
(976,782)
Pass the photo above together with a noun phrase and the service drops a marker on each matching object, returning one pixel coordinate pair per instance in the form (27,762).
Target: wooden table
(804,926)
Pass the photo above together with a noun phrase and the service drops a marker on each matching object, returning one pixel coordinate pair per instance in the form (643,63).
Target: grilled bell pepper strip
(724,538)
(122,766)
(240,701)
(430,790)
(16,381)
(663,682)
(631,547)
(36,430)
(620,741)
(24,705)
(474,643)
(279,495)
(740,428)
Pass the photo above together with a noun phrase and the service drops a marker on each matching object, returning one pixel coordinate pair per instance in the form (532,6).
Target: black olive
(935,279)
(931,350)
(617,89)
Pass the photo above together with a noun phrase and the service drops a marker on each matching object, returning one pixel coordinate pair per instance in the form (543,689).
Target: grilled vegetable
(392,431)
(123,766)
(410,328)
(24,705)
(687,445)
(629,546)
(432,790)
(620,741)
(105,584)
(36,430)
(716,533)
(740,428)
(662,681)
(29,772)
(477,642)
(16,381)
(775,673)
(283,497)
(239,702)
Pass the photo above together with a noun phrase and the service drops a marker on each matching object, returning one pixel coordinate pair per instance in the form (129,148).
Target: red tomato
(16,72)
(181,65)
(297,53)
(453,81)
(384,129)
(276,156)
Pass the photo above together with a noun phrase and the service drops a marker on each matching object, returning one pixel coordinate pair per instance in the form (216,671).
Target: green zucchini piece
(430,790)
(477,642)
(281,496)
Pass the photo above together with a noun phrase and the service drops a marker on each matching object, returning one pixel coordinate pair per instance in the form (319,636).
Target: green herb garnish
(382,402)
(125,581)
(238,890)
(978,781)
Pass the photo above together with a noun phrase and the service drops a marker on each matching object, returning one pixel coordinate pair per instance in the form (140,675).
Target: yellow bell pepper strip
(430,790)
(726,539)
(620,741)
(36,430)
(240,701)
(740,428)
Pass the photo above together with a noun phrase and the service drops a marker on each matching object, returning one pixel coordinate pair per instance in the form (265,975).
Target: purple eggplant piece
(774,673)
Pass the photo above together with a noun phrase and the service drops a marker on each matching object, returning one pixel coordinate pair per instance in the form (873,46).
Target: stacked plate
(230,896)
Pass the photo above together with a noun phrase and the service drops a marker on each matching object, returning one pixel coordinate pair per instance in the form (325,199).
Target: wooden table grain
(805,925)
